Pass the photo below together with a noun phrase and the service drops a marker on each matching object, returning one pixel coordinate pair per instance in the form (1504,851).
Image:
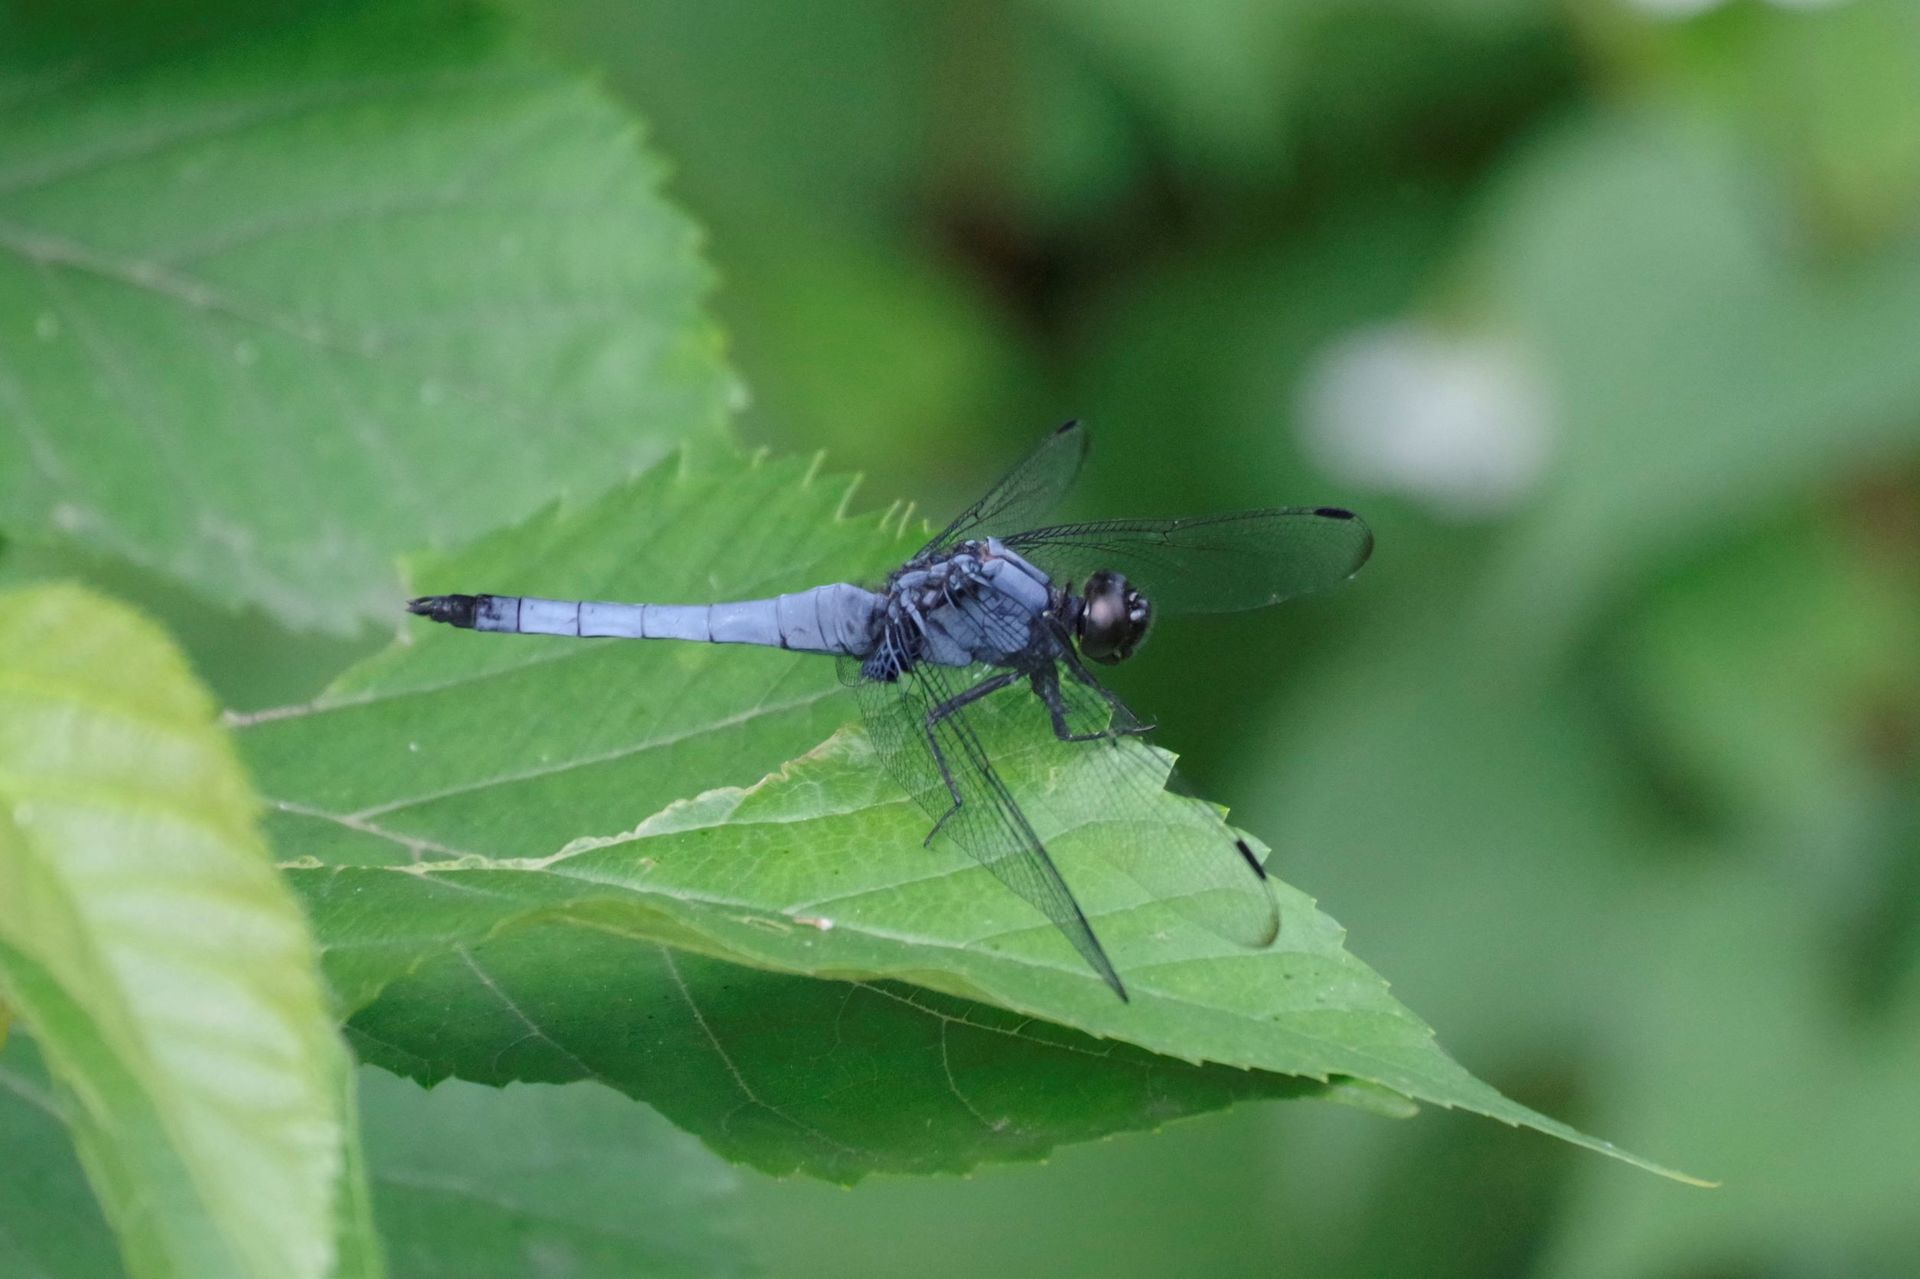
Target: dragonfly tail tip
(454,610)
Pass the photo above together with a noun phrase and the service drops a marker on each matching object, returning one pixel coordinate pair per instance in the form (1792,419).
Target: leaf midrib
(967,948)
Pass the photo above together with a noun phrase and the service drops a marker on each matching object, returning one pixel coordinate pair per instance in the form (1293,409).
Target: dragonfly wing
(986,821)
(1212,563)
(1174,845)
(1024,494)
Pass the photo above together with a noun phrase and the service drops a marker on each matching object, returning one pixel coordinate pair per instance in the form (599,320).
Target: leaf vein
(233,119)
(588,761)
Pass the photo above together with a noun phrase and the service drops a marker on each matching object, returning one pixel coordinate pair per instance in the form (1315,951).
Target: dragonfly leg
(931,727)
(1046,686)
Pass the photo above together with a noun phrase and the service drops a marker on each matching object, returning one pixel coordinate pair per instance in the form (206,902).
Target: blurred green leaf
(852,335)
(298,299)
(1061,155)
(1760,672)
(535,1180)
(467,1180)
(1213,74)
(245,658)
(1533,874)
(1191,375)
(1702,361)
(1730,1044)
(1081,1213)
(1830,94)
(1474,822)
(1191,371)
(735,90)
(64,1236)
(860,348)
(418,829)
(159,960)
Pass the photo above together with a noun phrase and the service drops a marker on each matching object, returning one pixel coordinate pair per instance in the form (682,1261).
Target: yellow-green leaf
(162,965)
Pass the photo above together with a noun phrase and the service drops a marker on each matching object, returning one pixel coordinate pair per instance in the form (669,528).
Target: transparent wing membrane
(1176,847)
(1209,564)
(1172,844)
(940,760)
(1024,494)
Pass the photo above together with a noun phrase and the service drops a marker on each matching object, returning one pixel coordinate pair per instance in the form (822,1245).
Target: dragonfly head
(1113,618)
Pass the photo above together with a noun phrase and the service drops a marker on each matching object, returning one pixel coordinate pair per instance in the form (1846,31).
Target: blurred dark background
(1607,315)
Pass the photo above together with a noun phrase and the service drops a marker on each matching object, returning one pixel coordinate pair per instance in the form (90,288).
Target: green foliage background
(1614,782)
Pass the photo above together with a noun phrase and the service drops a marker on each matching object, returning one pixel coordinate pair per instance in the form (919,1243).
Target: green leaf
(761,1064)
(402,279)
(162,965)
(64,1237)
(466,1010)
(468,1180)
(531,1180)
(438,799)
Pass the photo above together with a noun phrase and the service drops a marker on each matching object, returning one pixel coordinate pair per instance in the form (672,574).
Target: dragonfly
(995,602)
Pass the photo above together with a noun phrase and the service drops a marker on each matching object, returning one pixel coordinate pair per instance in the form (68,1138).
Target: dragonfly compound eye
(1113,618)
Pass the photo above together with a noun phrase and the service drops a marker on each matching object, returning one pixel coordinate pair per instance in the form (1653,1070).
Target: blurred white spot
(47,326)
(245,353)
(413,746)
(69,518)
(814,921)
(1455,421)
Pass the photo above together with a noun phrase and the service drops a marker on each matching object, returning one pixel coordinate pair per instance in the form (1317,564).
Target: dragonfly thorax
(979,602)
(1112,619)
